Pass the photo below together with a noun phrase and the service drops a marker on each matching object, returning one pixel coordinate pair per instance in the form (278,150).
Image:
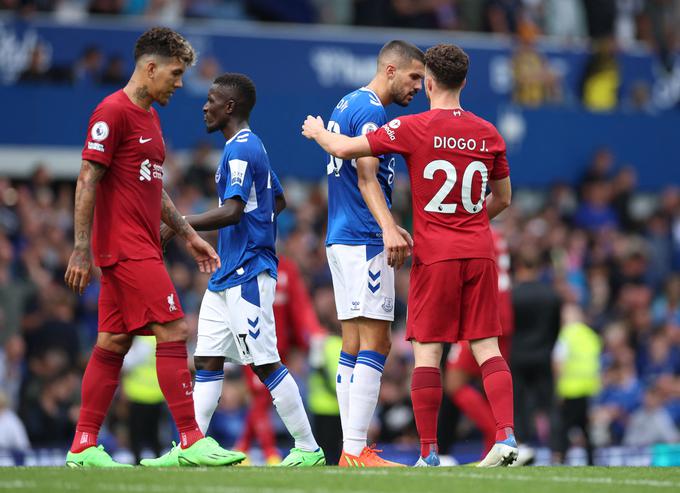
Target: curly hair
(167,43)
(245,88)
(448,64)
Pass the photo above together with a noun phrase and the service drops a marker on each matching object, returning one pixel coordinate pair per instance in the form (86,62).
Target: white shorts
(362,281)
(238,323)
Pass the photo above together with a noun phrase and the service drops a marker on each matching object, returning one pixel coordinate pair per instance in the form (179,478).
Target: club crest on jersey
(100,131)
(388,305)
(171,302)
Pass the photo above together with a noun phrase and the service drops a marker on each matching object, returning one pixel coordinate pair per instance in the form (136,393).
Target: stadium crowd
(609,252)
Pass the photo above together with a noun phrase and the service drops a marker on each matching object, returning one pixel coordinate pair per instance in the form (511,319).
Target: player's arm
(204,254)
(397,240)
(280,203)
(500,197)
(77,274)
(229,213)
(337,145)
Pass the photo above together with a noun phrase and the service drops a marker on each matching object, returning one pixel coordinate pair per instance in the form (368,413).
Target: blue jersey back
(350,222)
(246,248)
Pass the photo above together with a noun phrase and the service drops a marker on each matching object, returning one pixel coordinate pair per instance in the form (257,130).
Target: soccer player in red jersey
(452,155)
(461,366)
(119,206)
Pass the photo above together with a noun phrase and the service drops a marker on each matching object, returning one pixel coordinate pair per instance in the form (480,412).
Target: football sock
(288,403)
(498,386)
(207,393)
(342,381)
(174,380)
(99,384)
(363,397)
(426,396)
(475,406)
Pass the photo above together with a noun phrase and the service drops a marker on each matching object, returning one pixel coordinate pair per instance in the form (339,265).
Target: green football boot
(207,453)
(302,458)
(92,457)
(169,459)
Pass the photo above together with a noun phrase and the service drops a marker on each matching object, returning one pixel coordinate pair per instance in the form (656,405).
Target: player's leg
(365,381)
(497,382)
(350,329)
(426,396)
(100,380)
(207,388)
(461,367)
(254,318)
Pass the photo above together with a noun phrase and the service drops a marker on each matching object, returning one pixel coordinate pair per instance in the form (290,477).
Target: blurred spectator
(651,424)
(199,79)
(12,431)
(595,211)
(537,323)
(88,68)
(502,16)
(533,82)
(110,7)
(290,11)
(115,72)
(600,15)
(146,403)
(577,370)
(601,77)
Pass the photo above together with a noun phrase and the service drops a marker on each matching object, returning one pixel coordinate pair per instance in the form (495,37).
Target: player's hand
(77,275)
(398,245)
(167,234)
(204,254)
(312,127)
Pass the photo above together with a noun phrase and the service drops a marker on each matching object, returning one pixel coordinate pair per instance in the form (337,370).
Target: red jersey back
(451,155)
(127,140)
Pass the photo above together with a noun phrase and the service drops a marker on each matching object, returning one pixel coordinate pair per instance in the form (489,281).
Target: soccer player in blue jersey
(236,320)
(364,244)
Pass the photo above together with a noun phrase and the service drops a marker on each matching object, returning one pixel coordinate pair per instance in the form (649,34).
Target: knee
(116,343)
(177,330)
(208,363)
(264,371)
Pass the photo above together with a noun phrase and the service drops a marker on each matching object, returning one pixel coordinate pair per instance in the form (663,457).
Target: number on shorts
(244,344)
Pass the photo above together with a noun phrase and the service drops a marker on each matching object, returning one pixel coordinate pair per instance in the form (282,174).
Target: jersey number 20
(437,203)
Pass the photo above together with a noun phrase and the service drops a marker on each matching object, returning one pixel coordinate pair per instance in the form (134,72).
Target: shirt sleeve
(276,184)
(240,175)
(104,133)
(395,136)
(501,169)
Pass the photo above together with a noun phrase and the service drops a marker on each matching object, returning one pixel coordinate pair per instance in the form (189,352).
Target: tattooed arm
(204,254)
(77,274)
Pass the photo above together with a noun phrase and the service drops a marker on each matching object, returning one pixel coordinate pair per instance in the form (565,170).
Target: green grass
(332,479)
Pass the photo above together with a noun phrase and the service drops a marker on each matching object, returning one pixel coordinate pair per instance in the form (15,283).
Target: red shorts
(461,358)
(135,293)
(453,300)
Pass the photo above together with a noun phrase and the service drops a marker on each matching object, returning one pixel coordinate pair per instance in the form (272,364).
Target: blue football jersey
(246,248)
(350,222)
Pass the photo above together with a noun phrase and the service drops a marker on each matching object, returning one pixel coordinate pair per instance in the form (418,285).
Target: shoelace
(371,450)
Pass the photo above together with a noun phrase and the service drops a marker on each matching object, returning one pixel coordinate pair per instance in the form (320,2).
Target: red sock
(498,386)
(99,384)
(426,396)
(175,382)
(475,406)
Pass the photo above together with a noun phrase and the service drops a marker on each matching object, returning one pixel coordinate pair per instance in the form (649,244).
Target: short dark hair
(448,64)
(165,42)
(245,89)
(404,50)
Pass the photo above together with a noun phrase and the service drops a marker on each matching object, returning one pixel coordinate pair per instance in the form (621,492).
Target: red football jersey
(127,140)
(451,155)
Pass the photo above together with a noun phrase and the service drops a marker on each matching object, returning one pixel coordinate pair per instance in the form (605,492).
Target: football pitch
(332,479)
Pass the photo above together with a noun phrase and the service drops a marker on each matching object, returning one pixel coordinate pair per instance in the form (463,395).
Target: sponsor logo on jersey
(100,131)
(390,133)
(145,171)
(171,304)
(142,140)
(395,123)
(95,146)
